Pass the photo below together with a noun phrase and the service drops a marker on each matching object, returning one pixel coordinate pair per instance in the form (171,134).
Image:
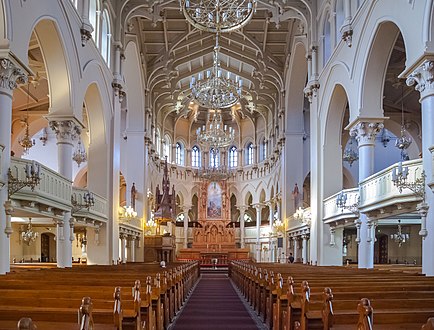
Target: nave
(215,305)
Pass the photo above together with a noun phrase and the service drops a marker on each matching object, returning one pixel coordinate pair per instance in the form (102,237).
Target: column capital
(66,131)
(258,206)
(186,208)
(422,78)
(242,208)
(10,75)
(365,131)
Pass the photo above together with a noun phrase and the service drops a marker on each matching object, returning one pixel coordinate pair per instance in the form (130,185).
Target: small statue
(133,196)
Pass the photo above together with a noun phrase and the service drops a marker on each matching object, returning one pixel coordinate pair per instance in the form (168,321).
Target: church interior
(156,155)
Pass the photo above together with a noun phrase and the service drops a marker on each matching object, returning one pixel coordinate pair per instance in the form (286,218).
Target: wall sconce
(341,201)
(88,201)
(33,177)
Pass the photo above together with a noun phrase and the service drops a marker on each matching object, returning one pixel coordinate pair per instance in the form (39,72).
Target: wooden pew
(55,293)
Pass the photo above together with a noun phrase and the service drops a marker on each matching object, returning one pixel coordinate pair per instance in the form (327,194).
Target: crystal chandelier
(215,134)
(404,141)
(29,236)
(216,171)
(218,16)
(400,237)
(279,226)
(350,154)
(79,155)
(214,91)
(26,142)
(303,215)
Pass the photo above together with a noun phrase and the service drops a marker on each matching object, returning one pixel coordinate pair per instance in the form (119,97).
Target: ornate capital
(10,75)
(66,131)
(365,132)
(423,78)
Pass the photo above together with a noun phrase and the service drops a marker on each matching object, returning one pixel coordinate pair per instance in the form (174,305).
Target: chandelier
(79,155)
(29,236)
(279,226)
(214,91)
(213,174)
(26,142)
(404,141)
(128,213)
(303,215)
(218,16)
(150,226)
(350,154)
(214,134)
(400,237)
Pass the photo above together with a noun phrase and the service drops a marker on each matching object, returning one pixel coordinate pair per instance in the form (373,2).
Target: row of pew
(296,296)
(132,296)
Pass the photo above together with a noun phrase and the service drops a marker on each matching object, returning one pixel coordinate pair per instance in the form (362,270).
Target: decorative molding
(423,78)
(365,132)
(11,75)
(67,131)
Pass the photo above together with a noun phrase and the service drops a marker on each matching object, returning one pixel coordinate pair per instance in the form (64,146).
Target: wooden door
(45,248)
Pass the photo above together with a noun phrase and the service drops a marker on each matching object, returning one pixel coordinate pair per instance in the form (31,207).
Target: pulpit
(214,236)
(158,248)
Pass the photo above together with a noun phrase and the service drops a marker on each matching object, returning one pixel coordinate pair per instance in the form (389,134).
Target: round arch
(374,73)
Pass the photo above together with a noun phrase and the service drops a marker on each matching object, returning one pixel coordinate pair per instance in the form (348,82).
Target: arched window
(264,149)
(93,18)
(195,156)
(326,42)
(233,157)
(158,141)
(214,158)
(249,154)
(166,147)
(179,154)
(340,17)
(105,37)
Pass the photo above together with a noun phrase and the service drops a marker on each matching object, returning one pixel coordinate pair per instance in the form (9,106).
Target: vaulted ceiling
(174,51)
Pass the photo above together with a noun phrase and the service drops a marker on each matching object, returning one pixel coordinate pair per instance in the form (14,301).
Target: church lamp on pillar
(165,201)
(399,179)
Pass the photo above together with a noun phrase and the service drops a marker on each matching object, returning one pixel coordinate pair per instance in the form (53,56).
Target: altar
(214,237)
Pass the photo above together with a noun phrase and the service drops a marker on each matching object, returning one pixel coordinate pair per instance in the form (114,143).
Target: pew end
(26,323)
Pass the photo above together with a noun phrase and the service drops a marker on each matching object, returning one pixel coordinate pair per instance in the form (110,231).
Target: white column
(185,210)
(295,249)
(133,248)
(423,78)
(242,225)
(258,231)
(304,248)
(67,131)
(10,75)
(123,248)
(365,133)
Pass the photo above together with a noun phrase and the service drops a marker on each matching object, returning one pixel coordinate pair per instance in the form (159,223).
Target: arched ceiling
(173,51)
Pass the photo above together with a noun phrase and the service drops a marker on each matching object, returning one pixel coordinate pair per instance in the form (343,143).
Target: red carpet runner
(214,305)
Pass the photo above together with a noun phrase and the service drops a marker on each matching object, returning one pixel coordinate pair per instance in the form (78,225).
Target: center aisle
(215,305)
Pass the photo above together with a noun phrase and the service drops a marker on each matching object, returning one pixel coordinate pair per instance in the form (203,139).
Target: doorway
(48,248)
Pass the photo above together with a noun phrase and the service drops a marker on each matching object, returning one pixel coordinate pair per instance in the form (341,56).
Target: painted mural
(214,205)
